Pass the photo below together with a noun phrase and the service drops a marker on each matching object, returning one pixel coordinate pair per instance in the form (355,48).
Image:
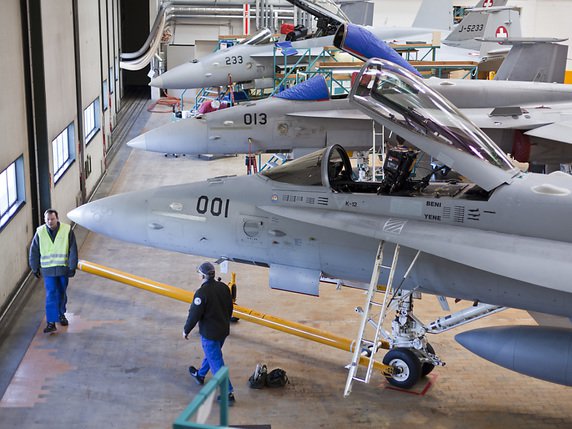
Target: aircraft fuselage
(218,219)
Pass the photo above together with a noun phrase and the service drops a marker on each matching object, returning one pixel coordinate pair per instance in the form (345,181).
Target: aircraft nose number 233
(216,206)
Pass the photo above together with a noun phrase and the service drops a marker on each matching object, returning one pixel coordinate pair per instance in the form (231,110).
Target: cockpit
(332,168)
(263,36)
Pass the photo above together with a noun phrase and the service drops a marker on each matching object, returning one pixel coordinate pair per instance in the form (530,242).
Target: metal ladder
(274,161)
(372,345)
(210,93)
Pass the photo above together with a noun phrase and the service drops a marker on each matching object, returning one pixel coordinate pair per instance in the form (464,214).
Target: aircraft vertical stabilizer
(478,23)
(534,61)
(436,14)
(501,25)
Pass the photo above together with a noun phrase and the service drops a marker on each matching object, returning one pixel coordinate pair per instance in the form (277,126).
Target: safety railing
(200,407)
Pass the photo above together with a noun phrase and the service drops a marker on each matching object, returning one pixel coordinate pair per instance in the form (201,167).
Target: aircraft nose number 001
(217,206)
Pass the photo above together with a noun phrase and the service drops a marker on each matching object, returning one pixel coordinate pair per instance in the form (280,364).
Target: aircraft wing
(484,120)
(558,131)
(332,114)
(532,260)
(550,123)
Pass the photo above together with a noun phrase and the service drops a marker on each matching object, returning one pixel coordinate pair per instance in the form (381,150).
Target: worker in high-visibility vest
(53,255)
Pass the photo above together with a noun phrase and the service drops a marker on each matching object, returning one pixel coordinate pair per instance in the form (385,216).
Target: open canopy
(322,9)
(259,38)
(402,102)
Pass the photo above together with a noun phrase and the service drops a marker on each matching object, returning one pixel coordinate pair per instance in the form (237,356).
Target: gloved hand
(37,274)
(186,335)
(71,272)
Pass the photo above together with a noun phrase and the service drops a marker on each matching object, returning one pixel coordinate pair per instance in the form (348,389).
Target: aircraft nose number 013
(255,118)
(217,206)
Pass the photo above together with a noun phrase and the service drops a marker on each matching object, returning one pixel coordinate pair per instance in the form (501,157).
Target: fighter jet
(527,119)
(300,120)
(495,236)
(254,58)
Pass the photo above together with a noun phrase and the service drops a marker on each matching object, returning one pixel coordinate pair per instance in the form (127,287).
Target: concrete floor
(122,362)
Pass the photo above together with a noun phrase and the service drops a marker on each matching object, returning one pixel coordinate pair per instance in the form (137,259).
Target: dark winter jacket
(211,309)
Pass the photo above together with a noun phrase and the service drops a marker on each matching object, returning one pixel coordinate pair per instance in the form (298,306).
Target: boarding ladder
(274,161)
(361,344)
(210,93)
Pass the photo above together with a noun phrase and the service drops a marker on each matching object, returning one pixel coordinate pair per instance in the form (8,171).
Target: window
(11,190)
(63,153)
(91,120)
(111,80)
(105,95)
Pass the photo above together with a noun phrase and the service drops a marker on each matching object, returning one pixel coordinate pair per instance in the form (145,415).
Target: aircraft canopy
(326,167)
(322,9)
(263,36)
(401,101)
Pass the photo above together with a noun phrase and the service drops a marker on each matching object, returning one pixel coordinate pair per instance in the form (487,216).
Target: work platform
(123,361)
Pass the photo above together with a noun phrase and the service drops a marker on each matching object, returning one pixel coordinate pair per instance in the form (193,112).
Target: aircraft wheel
(427,367)
(407,365)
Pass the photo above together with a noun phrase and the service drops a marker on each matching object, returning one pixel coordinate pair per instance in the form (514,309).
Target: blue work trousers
(56,297)
(213,360)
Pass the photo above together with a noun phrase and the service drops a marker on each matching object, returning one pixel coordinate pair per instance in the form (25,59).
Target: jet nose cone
(120,216)
(157,82)
(184,76)
(186,136)
(138,142)
(81,215)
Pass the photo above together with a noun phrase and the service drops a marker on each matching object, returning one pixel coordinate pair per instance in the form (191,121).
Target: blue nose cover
(314,89)
(363,44)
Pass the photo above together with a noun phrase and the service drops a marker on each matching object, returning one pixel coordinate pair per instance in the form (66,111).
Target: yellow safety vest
(54,254)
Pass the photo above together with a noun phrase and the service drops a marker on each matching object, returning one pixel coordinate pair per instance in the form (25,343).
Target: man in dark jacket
(211,309)
(53,255)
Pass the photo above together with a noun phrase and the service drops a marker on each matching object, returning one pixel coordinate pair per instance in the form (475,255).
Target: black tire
(427,367)
(408,366)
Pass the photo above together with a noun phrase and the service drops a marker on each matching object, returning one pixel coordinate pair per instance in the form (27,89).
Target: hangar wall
(91,88)
(13,144)
(56,55)
(60,78)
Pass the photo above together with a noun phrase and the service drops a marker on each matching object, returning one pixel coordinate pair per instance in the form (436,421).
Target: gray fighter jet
(254,58)
(498,237)
(530,120)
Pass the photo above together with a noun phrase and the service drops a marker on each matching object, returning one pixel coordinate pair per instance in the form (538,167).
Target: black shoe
(63,320)
(195,374)
(50,327)
(231,399)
